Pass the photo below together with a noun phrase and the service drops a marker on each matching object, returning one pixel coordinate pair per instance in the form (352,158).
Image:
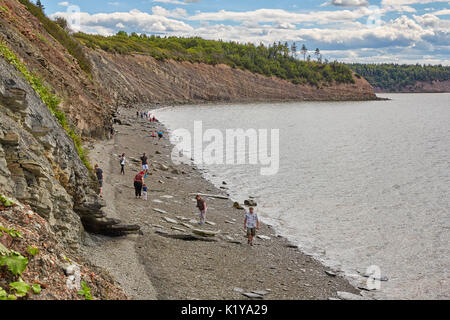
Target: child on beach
(251,224)
(144,192)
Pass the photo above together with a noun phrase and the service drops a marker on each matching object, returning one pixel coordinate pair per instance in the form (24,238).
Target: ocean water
(360,184)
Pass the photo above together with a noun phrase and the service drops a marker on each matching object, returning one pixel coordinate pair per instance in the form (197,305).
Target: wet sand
(153,265)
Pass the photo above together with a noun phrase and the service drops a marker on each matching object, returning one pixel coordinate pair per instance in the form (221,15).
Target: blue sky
(400,31)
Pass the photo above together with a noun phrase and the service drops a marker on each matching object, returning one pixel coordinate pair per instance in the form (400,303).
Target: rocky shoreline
(167,260)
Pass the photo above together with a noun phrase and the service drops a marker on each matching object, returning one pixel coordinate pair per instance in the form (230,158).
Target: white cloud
(442,12)
(178,13)
(64,4)
(185,2)
(347,3)
(282,16)
(134,20)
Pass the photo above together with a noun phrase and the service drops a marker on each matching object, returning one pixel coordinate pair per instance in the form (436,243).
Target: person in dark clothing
(201,205)
(144,162)
(99,174)
(138,183)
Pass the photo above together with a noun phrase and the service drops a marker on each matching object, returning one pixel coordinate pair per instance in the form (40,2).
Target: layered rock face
(40,166)
(142,79)
(87,105)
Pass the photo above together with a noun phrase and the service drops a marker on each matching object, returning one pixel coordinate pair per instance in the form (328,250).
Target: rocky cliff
(421,87)
(39,164)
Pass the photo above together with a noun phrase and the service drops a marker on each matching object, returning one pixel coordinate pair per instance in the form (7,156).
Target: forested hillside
(395,77)
(273,60)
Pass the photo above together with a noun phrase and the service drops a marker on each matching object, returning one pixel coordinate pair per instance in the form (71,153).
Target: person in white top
(251,224)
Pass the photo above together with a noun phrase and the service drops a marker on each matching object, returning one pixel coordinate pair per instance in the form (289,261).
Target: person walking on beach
(251,224)
(122,164)
(160,135)
(99,174)
(144,162)
(138,183)
(201,205)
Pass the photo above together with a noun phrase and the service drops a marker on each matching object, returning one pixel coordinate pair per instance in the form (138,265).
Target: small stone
(159,210)
(263,237)
(210,223)
(331,274)
(238,290)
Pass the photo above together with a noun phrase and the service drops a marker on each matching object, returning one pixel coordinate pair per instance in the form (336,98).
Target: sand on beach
(153,265)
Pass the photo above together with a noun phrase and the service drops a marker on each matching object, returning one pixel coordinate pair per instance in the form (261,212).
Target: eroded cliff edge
(137,78)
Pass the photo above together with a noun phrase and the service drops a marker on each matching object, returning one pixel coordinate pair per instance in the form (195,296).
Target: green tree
(304,51)
(40,5)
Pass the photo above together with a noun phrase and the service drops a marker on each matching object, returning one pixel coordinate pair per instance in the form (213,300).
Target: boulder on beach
(250,203)
(238,206)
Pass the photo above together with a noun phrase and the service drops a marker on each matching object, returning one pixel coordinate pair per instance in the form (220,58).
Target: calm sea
(359,184)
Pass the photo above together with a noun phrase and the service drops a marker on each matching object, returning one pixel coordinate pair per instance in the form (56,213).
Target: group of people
(146,115)
(251,220)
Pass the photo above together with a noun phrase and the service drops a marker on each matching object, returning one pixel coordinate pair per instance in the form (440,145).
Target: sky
(366,31)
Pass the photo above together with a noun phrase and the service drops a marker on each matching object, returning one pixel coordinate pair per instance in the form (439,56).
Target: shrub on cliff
(273,60)
(46,95)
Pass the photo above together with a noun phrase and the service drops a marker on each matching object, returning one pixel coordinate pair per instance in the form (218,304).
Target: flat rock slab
(330,273)
(178,229)
(240,290)
(187,225)
(252,295)
(167,197)
(205,233)
(263,237)
(260,292)
(157,201)
(170,220)
(159,210)
(210,223)
(349,296)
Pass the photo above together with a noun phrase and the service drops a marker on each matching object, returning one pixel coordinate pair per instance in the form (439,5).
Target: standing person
(144,192)
(122,164)
(251,224)
(137,114)
(201,205)
(111,131)
(144,162)
(138,183)
(154,134)
(160,134)
(99,174)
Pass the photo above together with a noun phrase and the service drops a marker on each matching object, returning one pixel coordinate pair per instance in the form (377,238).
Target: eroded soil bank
(155,265)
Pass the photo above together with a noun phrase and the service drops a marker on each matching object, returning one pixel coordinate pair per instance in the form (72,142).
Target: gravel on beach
(167,261)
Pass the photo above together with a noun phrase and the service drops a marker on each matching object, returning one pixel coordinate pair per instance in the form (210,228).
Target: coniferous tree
(304,51)
(40,5)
